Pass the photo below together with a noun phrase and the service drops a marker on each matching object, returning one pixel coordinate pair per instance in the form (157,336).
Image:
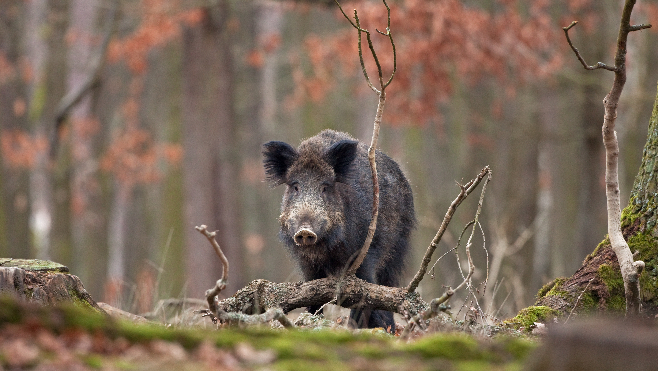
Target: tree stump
(43,282)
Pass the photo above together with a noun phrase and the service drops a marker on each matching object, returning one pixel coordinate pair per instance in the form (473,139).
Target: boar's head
(313,206)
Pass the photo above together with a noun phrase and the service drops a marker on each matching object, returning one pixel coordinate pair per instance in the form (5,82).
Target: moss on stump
(43,282)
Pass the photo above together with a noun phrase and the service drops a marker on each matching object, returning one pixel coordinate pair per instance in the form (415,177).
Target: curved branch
(354,266)
(220,285)
(580,57)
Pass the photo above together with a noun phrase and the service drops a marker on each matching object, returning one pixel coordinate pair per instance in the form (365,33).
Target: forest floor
(72,338)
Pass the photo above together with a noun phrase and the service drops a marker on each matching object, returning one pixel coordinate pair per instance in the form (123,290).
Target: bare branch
(465,190)
(211,294)
(638,27)
(579,56)
(261,295)
(354,266)
(73,97)
(356,24)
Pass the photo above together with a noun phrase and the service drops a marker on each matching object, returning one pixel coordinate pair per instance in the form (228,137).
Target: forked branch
(630,270)
(465,190)
(211,294)
(381,92)
(216,313)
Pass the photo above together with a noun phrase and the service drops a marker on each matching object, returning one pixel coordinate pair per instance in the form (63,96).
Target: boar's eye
(295,187)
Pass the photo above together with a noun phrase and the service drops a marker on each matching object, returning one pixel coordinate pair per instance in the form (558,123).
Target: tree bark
(261,295)
(209,169)
(14,205)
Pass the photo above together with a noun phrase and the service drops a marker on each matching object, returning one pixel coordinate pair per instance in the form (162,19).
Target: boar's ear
(278,156)
(340,155)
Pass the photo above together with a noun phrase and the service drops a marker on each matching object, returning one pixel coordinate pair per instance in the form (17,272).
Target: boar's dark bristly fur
(327,207)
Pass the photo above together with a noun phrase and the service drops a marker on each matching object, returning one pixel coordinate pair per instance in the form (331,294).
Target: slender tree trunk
(598,284)
(209,169)
(14,201)
(86,219)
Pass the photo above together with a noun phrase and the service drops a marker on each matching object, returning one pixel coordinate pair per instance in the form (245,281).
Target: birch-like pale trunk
(630,270)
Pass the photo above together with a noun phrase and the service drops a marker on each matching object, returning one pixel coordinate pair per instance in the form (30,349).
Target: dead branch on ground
(234,316)
(630,269)
(262,295)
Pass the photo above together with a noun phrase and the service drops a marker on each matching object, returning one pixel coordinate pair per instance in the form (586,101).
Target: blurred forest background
(176,97)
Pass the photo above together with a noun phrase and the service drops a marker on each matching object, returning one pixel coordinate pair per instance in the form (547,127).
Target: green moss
(125,365)
(612,279)
(34,265)
(303,364)
(605,242)
(528,316)
(546,288)
(630,213)
(519,348)
(615,284)
(93,361)
(141,333)
(553,288)
(447,346)
(472,366)
(647,248)
(588,301)
(374,351)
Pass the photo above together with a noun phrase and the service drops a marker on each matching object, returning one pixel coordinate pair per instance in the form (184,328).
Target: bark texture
(261,295)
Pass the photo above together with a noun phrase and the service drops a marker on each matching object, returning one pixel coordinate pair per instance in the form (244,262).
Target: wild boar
(327,208)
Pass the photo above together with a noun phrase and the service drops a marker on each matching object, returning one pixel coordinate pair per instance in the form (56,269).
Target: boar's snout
(305,237)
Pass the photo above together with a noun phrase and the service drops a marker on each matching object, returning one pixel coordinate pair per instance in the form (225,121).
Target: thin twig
(211,294)
(578,299)
(579,56)
(465,190)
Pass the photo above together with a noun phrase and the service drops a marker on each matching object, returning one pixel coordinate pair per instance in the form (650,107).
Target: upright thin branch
(465,190)
(211,294)
(630,270)
(435,304)
(378,119)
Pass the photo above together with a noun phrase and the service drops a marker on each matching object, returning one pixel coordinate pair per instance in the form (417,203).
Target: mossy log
(597,286)
(43,282)
(261,295)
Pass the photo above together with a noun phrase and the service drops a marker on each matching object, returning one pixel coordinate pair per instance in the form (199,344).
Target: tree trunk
(87,220)
(14,201)
(209,170)
(598,286)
